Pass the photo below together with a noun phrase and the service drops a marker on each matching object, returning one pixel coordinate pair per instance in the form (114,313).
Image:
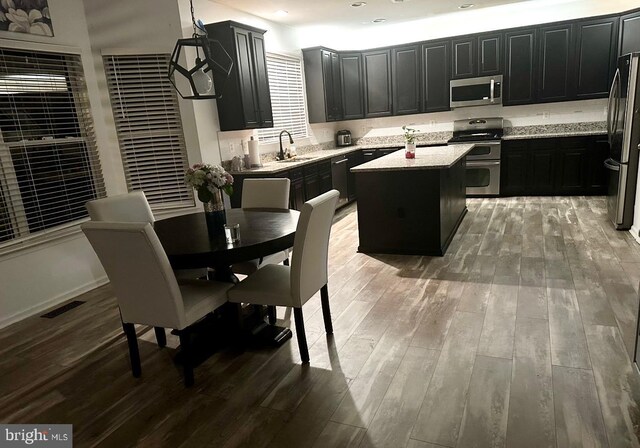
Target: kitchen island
(412,206)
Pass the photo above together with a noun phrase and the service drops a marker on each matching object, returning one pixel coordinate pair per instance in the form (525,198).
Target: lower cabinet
(307,182)
(554,166)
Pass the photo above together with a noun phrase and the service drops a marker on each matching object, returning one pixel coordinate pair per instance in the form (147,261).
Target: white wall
(461,22)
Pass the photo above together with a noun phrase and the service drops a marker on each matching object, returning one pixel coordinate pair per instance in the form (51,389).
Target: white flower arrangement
(409,134)
(206,179)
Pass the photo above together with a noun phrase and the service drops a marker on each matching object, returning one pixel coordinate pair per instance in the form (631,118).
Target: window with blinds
(287,98)
(49,165)
(147,117)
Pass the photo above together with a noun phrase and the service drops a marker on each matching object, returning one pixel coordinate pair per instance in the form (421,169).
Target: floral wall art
(26,16)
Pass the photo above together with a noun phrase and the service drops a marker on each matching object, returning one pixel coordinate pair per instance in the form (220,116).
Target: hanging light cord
(195,27)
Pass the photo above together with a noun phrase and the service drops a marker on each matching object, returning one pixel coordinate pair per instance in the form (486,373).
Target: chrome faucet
(281,154)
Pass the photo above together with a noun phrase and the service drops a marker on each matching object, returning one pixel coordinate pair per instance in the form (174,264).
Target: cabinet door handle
(339,162)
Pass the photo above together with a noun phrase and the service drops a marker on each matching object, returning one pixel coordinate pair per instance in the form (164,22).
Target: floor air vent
(62,309)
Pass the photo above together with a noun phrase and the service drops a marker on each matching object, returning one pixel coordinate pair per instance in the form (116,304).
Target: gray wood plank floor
(520,337)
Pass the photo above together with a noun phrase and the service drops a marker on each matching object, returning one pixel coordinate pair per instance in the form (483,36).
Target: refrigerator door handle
(609,105)
(611,165)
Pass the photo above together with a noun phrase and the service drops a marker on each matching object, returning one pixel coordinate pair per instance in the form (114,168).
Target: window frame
(23,238)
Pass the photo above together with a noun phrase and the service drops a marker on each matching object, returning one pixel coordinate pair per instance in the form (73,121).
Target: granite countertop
(320,152)
(426,159)
(555,130)
(323,154)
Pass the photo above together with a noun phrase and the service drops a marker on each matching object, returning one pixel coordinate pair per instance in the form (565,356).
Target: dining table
(190,243)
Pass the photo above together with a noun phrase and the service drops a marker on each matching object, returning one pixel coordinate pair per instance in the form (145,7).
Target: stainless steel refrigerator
(623,124)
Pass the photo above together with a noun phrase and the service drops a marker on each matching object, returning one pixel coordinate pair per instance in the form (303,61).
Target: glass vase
(215,214)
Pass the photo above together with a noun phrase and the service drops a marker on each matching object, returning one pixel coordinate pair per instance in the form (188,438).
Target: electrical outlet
(545,114)
(432,122)
(232,148)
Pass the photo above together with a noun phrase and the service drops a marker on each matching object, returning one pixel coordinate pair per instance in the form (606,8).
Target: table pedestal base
(268,335)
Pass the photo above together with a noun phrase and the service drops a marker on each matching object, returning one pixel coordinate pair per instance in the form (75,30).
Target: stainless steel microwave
(481,91)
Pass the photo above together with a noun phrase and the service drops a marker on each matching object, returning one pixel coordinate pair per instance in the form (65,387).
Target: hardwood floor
(520,337)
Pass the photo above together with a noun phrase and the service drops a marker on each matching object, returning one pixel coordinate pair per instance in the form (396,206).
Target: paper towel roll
(254,153)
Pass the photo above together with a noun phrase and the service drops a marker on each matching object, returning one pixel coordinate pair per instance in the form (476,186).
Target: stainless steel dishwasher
(339,176)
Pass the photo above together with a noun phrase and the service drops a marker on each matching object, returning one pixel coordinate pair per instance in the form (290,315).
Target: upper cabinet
(595,57)
(476,56)
(324,86)
(246,101)
(352,91)
(405,76)
(520,63)
(465,58)
(561,61)
(436,58)
(555,63)
(377,82)
(490,60)
(630,33)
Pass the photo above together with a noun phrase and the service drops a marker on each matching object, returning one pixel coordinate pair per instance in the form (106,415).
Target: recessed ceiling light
(466,6)
(358,4)
(281,12)
(399,1)
(381,20)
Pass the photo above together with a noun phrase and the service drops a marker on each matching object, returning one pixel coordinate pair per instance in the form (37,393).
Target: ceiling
(341,13)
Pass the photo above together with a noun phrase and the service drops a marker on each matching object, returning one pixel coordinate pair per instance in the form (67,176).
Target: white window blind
(287,98)
(147,117)
(49,165)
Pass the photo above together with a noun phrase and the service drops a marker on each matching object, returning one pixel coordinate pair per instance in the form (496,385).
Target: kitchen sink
(295,159)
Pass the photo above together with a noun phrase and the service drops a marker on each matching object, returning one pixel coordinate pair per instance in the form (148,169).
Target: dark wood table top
(263,232)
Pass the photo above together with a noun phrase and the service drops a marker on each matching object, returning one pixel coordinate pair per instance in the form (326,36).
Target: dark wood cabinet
(436,58)
(629,33)
(353,159)
(296,194)
(554,166)
(490,51)
(324,174)
(405,76)
(464,58)
(332,82)
(323,84)
(352,90)
(377,83)
(595,57)
(556,63)
(311,181)
(520,63)
(514,165)
(246,101)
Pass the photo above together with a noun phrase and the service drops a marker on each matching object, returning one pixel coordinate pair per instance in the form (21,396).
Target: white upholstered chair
(131,207)
(134,207)
(258,194)
(128,207)
(146,288)
(293,285)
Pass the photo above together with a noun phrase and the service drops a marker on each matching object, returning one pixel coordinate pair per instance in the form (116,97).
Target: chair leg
(326,311)
(187,357)
(302,337)
(271,314)
(161,337)
(134,353)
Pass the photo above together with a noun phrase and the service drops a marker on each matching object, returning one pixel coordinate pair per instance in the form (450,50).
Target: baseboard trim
(635,233)
(37,309)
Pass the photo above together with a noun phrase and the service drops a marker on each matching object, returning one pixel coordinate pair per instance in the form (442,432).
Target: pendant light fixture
(211,57)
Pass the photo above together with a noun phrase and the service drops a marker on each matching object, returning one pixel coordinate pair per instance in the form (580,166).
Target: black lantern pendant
(211,60)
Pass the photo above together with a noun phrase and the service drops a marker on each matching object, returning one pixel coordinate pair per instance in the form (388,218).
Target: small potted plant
(409,142)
